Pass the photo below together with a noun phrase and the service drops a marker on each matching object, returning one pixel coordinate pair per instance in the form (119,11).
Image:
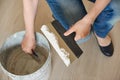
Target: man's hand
(81,28)
(28,43)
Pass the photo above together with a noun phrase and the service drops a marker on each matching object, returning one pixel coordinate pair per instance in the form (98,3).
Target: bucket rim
(48,60)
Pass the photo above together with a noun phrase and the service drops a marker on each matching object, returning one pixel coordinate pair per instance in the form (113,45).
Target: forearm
(29,12)
(96,10)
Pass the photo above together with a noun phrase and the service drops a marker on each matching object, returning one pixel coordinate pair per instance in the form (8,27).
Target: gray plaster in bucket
(20,66)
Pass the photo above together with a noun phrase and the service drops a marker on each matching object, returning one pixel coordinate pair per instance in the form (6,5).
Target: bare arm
(97,9)
(29,12)
(83,26)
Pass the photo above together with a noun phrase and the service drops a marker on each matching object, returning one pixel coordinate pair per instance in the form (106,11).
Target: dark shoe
(107,50)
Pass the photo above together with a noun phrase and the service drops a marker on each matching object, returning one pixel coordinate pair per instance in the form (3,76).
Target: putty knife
(35,56)
(65,46)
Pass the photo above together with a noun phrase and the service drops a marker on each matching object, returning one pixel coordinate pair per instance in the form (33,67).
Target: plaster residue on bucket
(54,42)
(20,63)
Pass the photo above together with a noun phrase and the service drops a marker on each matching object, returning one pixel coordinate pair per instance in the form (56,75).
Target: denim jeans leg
(115,6)
(67,12)
(107,18)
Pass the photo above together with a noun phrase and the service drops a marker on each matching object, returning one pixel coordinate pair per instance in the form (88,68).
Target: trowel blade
(35,56)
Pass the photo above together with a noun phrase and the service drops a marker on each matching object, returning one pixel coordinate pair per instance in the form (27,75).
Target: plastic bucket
(41,73)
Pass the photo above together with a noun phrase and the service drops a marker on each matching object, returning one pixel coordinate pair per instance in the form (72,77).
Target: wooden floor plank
(92,65)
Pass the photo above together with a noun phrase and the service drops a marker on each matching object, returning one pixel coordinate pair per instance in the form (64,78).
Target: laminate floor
(92,65)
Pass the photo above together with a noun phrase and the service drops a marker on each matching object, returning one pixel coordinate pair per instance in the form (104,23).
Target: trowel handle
(34,53)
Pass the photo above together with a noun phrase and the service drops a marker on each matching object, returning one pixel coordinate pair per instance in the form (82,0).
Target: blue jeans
(68,12)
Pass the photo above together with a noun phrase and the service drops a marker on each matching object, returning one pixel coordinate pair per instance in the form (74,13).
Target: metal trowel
(35,56)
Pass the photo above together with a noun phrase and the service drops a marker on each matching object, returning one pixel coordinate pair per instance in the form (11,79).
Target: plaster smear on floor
(54,42)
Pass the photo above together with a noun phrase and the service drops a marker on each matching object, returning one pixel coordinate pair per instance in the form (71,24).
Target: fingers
(28,45)
(71,30)
(77,37)
(78,33)
(27,49)
(68,32)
